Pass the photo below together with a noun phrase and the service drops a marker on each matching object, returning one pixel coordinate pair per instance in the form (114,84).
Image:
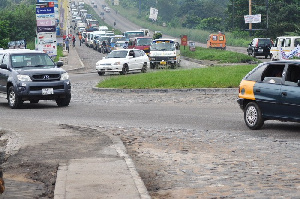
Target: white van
(287,43)
(164,52)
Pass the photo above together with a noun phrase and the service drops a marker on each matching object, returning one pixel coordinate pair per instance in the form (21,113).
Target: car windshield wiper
(39,65)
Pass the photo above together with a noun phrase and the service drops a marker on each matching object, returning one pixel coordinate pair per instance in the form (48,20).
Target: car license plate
(163,63)
(260,50)
(47,91)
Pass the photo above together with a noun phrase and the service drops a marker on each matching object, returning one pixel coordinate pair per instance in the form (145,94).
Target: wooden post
(250,13)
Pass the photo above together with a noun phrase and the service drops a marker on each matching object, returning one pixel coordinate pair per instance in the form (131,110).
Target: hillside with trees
(279,17)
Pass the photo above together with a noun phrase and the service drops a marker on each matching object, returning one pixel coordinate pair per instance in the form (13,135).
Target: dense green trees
(278,16)
(17,21)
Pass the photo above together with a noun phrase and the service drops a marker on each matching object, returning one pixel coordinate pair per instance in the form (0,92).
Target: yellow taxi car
(271,91)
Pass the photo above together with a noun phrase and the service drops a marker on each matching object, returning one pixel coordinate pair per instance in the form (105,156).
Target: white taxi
(123,61)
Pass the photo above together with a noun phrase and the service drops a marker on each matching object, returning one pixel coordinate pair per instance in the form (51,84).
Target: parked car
(260,47)
(123,61)
(29,75)
(271,91)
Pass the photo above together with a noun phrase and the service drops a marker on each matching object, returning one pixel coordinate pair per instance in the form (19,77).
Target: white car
(123,61)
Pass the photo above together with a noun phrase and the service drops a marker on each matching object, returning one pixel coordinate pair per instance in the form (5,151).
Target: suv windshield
(31,60)
(144,41)
(117,54)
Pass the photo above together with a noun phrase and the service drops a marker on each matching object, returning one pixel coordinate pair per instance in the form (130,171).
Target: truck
(164,52)
(142,43)
(80,27)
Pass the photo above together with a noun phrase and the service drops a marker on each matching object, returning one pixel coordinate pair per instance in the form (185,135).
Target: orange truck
(217,41)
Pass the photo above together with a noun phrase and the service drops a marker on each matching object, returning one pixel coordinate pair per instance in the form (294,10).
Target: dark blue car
(271,91)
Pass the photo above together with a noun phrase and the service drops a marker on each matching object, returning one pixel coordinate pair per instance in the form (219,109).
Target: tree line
(278,17)
(17,21)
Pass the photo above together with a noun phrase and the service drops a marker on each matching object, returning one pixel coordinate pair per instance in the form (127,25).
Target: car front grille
(46,77)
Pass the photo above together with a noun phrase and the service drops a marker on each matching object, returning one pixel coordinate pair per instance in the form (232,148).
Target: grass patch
(212,77)
(59,53)
(222,56)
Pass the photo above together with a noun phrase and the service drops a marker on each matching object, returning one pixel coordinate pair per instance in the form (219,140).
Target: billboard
(252,18)
(153,14)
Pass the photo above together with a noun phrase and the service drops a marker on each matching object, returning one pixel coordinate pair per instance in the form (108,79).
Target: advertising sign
(46,29)
(50,49)
(47,10)
(252,18)
(184,40)
(153,14)
(45,22)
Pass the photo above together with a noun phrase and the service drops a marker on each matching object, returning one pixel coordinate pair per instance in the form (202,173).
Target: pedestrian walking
(73,39)
(80,38)
(67,42)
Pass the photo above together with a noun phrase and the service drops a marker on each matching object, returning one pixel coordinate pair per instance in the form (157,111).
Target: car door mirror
(3,66)
(59,64)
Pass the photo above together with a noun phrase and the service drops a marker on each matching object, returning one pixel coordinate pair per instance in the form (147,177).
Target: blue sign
(47,10)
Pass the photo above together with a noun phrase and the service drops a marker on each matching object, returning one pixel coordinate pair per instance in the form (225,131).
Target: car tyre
(101,73)
(63,101)
(144,68)
(14,101)
(253,116)
(125,70)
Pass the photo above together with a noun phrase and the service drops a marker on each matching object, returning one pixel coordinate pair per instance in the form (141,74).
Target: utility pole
(250,13)
(140,8)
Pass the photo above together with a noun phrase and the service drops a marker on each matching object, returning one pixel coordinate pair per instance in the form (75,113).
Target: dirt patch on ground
(31,173)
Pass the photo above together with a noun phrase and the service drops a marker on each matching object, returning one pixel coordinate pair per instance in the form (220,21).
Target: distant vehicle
(123,61)
(107,9)
(120,45)
(260,47)
(164,52)
(133,33)
(142,43)
(217,41)
(271,91)
(116,38)
(29,75)
(286,43)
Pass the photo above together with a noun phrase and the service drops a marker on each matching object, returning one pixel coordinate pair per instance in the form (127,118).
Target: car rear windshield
(31,60)
(264,42)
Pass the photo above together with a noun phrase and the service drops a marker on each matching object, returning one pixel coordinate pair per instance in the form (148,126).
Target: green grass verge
(222,56)
(212,77)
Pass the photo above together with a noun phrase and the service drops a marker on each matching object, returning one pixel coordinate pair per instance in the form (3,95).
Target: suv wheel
(64,101)
(13,100)
(253,117)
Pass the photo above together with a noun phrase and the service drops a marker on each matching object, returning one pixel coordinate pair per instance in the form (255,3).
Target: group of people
(67,42)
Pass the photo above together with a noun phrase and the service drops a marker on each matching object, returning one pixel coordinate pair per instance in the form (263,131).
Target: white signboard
(252,18)
(153,14)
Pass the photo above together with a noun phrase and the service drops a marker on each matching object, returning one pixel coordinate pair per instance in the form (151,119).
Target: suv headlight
(64,76)
(24,78)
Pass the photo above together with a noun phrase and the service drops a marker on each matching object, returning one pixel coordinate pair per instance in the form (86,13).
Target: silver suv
(29,75)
